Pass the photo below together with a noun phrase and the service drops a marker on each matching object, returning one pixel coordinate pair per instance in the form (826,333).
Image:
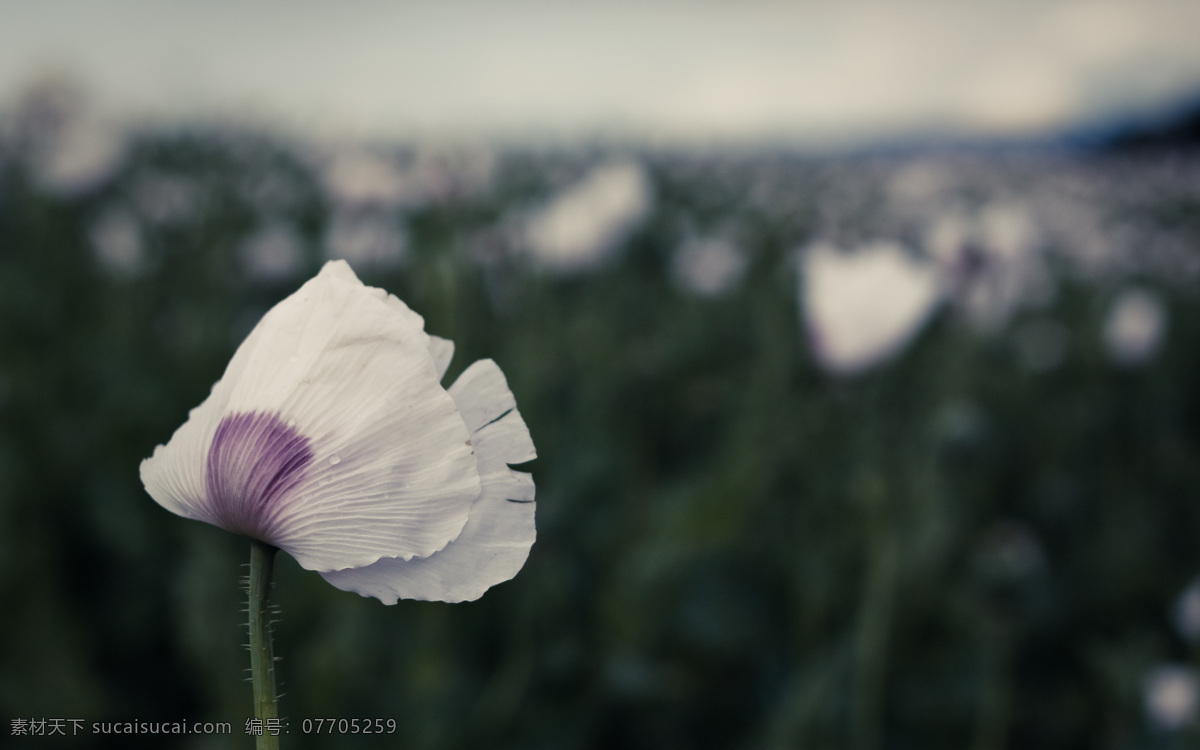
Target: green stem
(262,658)
(876,604)
(871,644)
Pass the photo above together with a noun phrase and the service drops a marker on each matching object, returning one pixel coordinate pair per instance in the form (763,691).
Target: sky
(662,71)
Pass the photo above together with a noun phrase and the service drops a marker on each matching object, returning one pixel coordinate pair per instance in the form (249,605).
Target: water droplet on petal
(291,423)
(335,459)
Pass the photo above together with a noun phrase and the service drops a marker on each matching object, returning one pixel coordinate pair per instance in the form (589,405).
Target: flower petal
(349,369)
(481,394)
(495,542)
(442,351)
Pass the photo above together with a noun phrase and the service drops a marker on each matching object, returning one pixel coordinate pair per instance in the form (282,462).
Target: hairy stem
(262,657)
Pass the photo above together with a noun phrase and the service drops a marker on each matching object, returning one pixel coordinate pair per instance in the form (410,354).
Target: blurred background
(859,344)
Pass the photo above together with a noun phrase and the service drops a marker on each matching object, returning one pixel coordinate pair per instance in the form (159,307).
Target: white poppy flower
(579,229)
(1135,326)
(708,267)
(331,438)
(862,308)
(1171,695)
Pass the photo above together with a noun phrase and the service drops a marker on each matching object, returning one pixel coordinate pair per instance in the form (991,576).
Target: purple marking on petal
(254,462)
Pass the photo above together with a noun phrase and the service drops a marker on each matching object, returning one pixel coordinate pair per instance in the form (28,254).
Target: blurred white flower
(1170,694)
(362,179)
(85,154)
(330,437)
(369,240)
(1186,612)
(947,237)
(991,260)
(708,267)
(69,148)
(863,307)
(1134,326)
(582,226)
(273,252)
(1007,230)
(116,239)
